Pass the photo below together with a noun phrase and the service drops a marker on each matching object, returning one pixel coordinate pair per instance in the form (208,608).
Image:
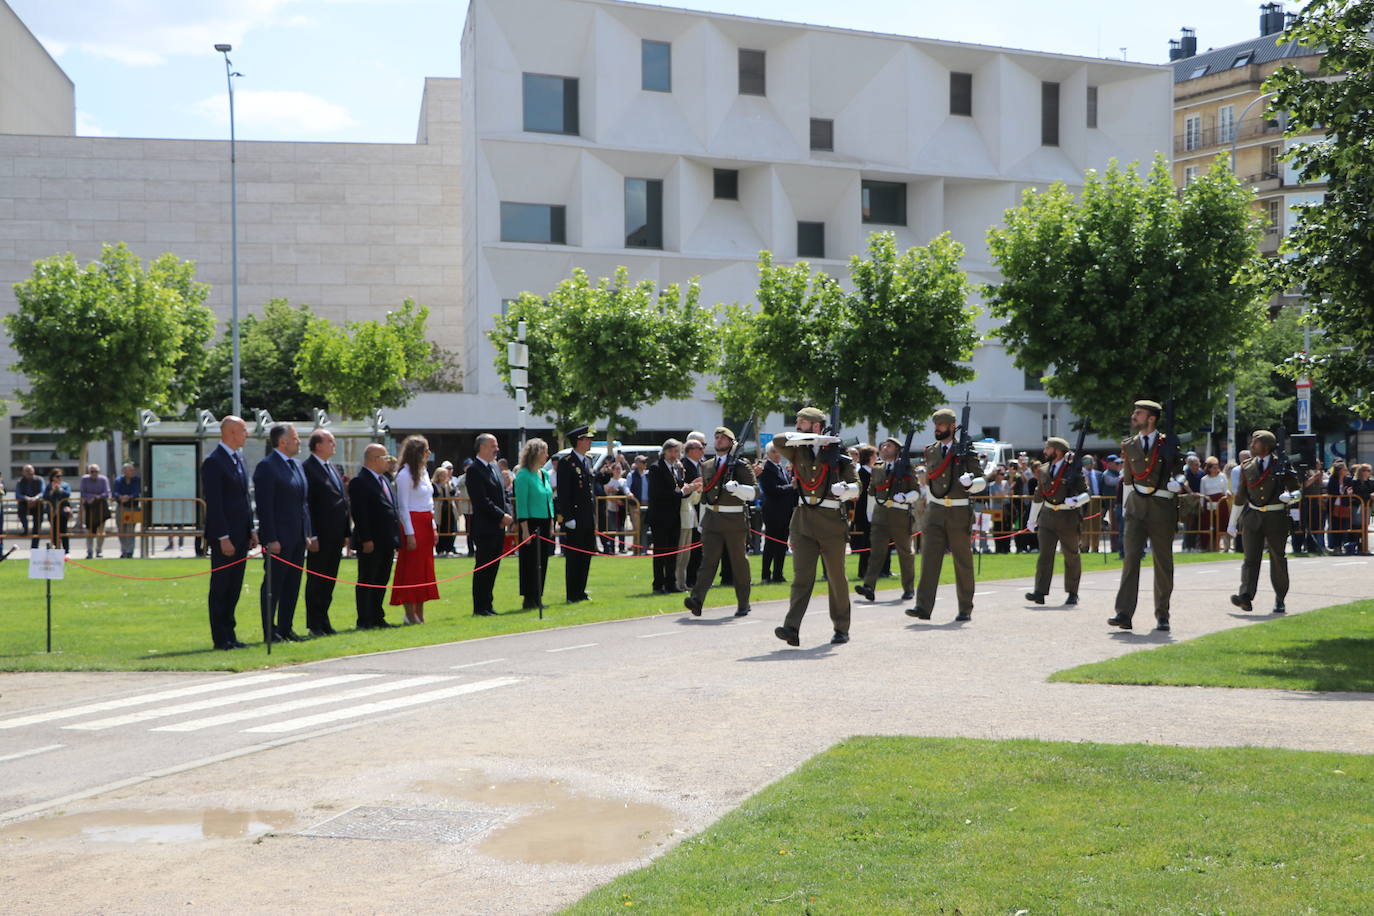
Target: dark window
(992,432)
(884,202)
(751,73)
(1033,382)
(1092,106)
(823,135)
(961,94)
(727,184)
(810,240)
(550,104)
(643,213)
(534,223)
(1049,114)
(656,66)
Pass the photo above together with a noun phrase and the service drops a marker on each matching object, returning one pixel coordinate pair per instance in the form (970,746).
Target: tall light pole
(229,74)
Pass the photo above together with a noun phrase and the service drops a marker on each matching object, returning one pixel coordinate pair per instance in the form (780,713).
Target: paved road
(691,715)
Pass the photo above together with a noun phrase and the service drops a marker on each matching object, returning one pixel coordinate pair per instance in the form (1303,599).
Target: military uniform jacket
(575,495)
(1147,473)
(943,470)
(1261,486)
(714,477)
(814,479)
(1054,488)
(882,487)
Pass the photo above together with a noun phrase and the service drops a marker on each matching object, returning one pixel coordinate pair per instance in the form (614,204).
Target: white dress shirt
(413,498)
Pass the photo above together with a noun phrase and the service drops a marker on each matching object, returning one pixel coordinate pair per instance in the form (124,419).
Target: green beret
(1152,406)
(893,440)
(812,414)
(1265,436)
(725,431)
(944,415)
(1057,442)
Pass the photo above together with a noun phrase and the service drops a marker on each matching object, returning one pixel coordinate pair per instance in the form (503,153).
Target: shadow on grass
(1342,663)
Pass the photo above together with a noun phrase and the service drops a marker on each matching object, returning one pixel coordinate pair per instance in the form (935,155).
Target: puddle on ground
(564,828)
(138,826)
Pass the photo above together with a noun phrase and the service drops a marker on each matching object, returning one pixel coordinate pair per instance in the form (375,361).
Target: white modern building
(600,133)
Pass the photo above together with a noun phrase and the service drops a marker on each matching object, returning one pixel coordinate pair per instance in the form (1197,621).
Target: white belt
(725,510)
(1157,491)
(946,501)
(1059,507)
(822,503)
(890,502)
(1273,507)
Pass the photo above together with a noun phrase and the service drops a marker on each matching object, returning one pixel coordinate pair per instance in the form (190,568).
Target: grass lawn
(101,623)
(1327,649)
(917,825)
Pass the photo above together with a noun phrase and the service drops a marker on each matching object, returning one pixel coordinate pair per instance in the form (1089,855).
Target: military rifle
(902,466)
(1075,468)
(727,473)
(965,446)
(830,454)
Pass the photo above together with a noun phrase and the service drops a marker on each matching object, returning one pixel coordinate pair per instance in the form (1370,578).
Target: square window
(726,183)
(1032,380)
(656,66)
(550,104)
(1049,114)
(1092,107)
(1243,59)
(884,202)
(643,213)
(540,223)
(810,240)
(1198,71)
(752,74)
(961,94)
(823,135)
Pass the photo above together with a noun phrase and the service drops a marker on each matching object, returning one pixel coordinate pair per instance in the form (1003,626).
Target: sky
(353,70)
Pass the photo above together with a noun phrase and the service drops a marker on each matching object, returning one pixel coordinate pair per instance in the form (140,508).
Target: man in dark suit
(228,527)
(376,535)
(329,518)
(689,561)
(667,490)
(779,501)
(577,507)
(283,527)
(491,516)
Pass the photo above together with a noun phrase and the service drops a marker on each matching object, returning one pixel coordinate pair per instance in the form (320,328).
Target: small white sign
(47,563)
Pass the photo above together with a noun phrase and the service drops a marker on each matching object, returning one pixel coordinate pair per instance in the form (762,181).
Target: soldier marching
(1057,513)
(727,487)
(953,475)
(893,498)
(1269,487)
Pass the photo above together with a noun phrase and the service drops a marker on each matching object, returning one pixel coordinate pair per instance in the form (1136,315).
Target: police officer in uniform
(891,503)
(1262,504)
(577,507)
(726,488)
(1150,491)
(950,480)
(820,526)
(1057,512)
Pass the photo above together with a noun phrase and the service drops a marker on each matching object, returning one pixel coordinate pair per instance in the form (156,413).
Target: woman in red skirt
(414,582)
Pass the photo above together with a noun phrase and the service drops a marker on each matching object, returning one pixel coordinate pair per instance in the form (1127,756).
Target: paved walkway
(645,729)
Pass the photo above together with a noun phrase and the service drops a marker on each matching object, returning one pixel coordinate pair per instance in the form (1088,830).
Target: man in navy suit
(228,527)
(491,516)
(283,527)
(329,520)
(376,535)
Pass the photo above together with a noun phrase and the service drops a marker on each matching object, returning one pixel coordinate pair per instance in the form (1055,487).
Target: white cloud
(277,112)
(87,126)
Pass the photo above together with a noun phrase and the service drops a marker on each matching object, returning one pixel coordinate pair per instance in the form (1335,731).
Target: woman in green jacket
(534,513)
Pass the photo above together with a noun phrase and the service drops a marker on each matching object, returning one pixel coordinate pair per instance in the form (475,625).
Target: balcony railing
(1223,136)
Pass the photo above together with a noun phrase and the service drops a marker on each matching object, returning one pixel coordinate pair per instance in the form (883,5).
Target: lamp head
(224,49)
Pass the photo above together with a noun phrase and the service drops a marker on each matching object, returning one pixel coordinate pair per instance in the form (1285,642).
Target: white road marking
(655,635)
(162,712)
(1208,572)
(740,623)
(980,594)
(490,661)
(273,709)
(383,705)
(585,645)
(227,683)
(1351,563)
(31,752)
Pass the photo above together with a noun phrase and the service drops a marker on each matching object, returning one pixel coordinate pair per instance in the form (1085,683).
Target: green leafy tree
(744,384)
(1265,395)
(268,345)
(98,343)
(550,395)
(1130,290)
(365,365)
(1331,246)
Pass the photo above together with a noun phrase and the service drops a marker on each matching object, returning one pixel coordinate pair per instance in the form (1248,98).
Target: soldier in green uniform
(820,527)
(1262,503)
(950,480)
(1056,511)
(725,489)
(891,503)
(1149,491)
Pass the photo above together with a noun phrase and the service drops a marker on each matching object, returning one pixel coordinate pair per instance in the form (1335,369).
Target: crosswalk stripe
(31,752)
(228,683)
(162,712)
(273,709)
(382,706)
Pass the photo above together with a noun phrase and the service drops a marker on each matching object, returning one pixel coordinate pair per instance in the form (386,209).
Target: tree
(744,385)
(610,348)
(99,343)
(365,365)
(1265,396)
(550,395)
(1131,290)
(268,345)
(1331,246)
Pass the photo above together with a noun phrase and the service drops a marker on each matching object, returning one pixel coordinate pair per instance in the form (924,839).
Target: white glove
(1082,499)
(1175,487)
(570,524)
(1231,529)
(1032,520)
(731,486)
(979,485)
(902,498)
(1297,515)
(965,479)
(838,489)
(1290,496)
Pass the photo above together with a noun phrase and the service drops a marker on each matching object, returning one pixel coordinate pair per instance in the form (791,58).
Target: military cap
(893,440)
(582,432)
(1265,436)
(1152,406)
(726,432)
(813,414)
(1057,442)
(944,415)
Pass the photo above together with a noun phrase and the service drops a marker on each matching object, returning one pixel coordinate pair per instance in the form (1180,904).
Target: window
(1198,71)
(505,306)
(541,223)
(823,135)
(1243,60)
(1092,107)
(1272,211)
(810,240)
(961,94)
(1192,132)
(656,66)
(1049,114)
(751,73)
(884,202)
(1226,124)
(727,184)
(643,213)
(1189,175)
(550,104)
(1272,166)
(1033,382)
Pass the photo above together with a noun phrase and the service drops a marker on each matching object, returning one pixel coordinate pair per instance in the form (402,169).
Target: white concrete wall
(36,97)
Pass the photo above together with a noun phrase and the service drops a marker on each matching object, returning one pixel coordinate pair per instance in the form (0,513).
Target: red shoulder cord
(720,469)
(1058,479)
(820,480)
(1262,476)
(1154,458)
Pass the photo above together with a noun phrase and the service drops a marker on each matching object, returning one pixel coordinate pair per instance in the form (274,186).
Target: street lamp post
(235,383)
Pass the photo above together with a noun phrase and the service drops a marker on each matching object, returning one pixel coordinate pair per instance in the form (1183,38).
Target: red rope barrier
(204,572)
(409,584)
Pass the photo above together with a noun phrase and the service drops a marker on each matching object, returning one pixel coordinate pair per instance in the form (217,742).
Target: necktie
(238,466)
(386,488)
